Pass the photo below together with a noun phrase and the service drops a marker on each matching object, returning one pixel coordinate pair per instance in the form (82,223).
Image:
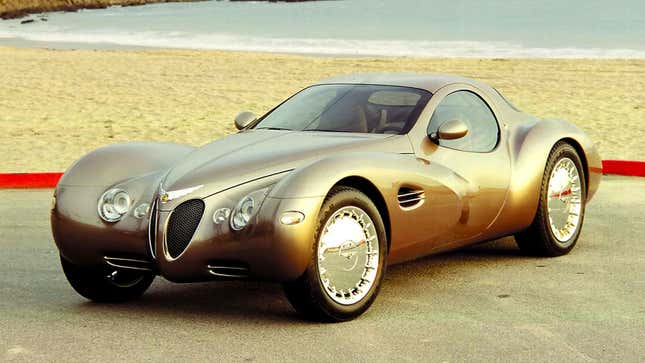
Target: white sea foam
(415,28)
(349,47)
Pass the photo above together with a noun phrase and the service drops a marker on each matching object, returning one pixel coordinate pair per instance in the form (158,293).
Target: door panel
(481,179)
(485,177)
(417,230)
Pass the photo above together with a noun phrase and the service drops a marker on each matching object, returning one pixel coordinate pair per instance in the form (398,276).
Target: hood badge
(166,196)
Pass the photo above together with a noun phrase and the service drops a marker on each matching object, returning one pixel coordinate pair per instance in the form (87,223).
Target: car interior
(372,112)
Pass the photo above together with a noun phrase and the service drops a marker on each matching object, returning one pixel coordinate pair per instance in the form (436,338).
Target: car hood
(253,154)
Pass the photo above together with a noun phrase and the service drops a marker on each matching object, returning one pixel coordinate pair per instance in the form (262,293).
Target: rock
(12,9)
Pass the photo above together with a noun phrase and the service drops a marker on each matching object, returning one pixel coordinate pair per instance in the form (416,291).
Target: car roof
(427,81)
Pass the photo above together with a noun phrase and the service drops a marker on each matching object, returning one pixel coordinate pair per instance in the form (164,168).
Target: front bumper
(264,250)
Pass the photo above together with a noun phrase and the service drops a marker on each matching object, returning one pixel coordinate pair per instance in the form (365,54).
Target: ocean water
(457,28)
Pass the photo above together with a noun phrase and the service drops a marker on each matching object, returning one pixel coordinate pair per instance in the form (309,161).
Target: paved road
(486,303)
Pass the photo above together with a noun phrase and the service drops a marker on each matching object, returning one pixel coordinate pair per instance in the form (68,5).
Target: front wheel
(106,285)
(348,260)
(558,220)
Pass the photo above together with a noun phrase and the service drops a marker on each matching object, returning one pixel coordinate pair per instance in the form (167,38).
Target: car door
(478,162)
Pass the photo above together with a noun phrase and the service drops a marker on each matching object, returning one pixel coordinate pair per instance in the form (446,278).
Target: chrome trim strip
(152,232)
(410,194)
(167,196)
(228,267)
(228,271)
(412,200)
(218,274)
(114,262)
(126,259)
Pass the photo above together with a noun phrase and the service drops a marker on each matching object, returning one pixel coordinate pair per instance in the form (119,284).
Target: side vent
(410,197)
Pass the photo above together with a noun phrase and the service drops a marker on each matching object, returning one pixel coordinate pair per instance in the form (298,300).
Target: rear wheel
(558,220)
(104,284)
(348,260)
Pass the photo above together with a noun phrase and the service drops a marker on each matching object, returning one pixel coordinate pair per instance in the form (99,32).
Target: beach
(57,105)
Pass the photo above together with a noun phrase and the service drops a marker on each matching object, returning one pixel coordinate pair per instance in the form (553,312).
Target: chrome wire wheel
(564,201)
(348,255)
(345,271)
(560,212)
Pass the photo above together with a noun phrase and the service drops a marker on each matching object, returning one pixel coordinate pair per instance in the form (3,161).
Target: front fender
(388,172)
(316,179)
(80,234)
(114,163)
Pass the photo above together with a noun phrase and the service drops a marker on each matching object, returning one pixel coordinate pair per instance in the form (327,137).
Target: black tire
(538,239)
(93,283)
(307,294)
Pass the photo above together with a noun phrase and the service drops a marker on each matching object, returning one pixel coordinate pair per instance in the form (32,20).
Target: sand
(56,105)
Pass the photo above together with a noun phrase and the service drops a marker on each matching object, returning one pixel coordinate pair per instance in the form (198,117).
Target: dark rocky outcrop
(279,1)
(11,9)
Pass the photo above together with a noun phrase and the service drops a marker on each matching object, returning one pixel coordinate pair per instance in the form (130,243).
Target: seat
(347,119)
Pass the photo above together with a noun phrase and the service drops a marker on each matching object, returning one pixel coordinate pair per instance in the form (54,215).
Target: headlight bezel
(114,204)
(248,207)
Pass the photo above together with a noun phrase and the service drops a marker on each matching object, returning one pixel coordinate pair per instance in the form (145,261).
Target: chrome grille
(182,225)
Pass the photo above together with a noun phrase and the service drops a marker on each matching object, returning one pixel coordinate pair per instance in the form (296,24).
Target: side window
(471,109)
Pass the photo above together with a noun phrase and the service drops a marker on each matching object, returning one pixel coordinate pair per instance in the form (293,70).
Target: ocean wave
(345,47)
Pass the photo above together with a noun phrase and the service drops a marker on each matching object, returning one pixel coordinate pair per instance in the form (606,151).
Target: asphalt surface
(484,303)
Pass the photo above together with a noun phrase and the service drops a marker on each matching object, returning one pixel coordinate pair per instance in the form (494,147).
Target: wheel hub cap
(564,201)
(348,255)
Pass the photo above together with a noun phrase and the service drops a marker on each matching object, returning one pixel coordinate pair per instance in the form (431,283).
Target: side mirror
(244,119)
(450,130)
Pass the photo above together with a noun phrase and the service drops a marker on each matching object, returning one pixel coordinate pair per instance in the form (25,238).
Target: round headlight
(114,204)
(247,208)
(243,213)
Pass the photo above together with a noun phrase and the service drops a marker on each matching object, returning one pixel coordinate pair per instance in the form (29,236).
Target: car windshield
(348,108)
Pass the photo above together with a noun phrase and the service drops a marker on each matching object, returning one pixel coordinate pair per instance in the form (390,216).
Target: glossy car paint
(468,197)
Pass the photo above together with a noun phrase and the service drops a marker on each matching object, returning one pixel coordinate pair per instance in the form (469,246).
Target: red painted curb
(623,167)
(29,180)
(49,180)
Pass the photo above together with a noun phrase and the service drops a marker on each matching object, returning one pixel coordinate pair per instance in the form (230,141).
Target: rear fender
(529,147)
